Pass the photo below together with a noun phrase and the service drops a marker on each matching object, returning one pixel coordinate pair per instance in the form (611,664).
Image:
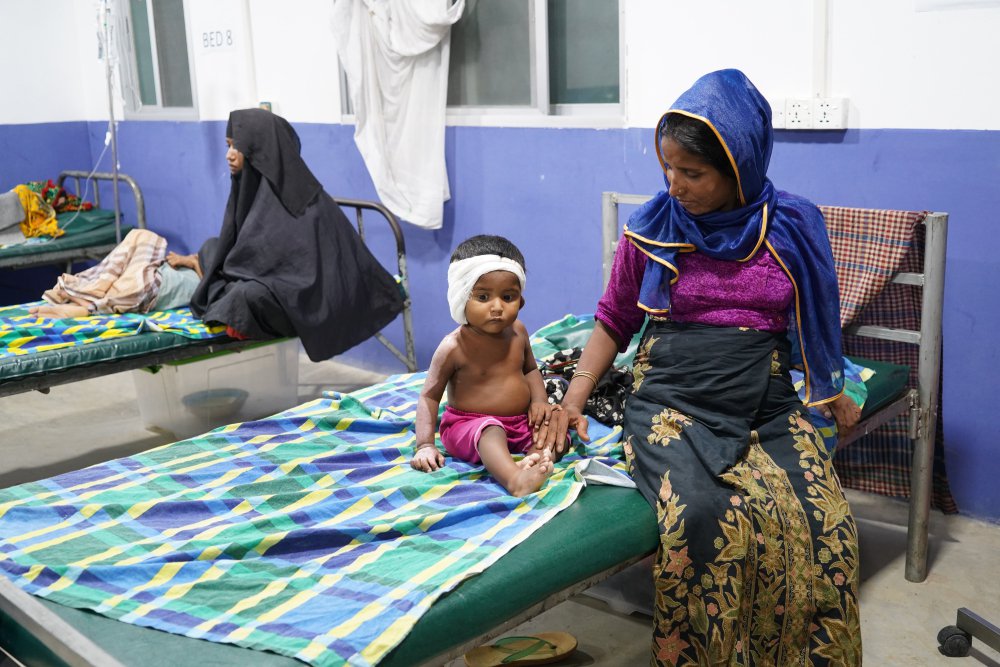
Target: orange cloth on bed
(40,217)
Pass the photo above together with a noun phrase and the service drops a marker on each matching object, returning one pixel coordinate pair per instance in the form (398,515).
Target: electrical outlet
(829,113)
(778,113)
(798,114)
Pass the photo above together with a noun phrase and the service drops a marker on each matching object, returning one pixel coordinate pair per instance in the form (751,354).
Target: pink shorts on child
(460,432)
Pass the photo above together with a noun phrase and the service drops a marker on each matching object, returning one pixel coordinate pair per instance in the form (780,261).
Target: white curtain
(395,54)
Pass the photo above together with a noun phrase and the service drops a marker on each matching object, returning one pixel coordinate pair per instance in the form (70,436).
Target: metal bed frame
(408,357)
(921,403)
(88,252)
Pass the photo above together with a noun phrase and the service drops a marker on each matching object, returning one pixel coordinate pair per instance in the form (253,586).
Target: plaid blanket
(21,333)
(306,534)
(125,281)
(869,248)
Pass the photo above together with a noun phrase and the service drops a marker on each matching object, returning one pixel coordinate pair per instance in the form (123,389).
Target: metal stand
(113,130)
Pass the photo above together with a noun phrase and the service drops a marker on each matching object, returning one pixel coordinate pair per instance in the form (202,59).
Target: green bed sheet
(95,227)
(888,383)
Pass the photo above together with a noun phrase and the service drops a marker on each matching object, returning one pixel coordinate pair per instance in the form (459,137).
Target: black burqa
(287,262)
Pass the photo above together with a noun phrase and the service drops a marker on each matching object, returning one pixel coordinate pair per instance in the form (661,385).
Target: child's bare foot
(529,460)
(61,311)
(532,476)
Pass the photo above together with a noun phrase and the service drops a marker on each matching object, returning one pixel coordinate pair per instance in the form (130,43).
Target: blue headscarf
(789,227)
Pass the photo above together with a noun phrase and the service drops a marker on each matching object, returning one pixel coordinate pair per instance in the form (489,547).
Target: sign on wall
(223,55)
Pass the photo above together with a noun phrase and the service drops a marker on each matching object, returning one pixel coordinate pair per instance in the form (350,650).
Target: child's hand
(539,413)
(427,459)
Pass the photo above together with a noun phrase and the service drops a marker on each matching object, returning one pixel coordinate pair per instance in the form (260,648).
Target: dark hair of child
(487,244)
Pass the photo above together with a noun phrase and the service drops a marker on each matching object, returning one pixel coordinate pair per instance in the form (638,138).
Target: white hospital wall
(220,45)
(50,52)
(670,44)
(296,58)
(40,52)
(901,67)
(908,69)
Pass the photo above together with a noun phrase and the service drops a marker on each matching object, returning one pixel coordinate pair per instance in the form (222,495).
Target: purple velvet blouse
(754,294)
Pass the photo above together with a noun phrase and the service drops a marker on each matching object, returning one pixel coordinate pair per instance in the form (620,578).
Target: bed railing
(92,252)
(409,359)
(140,203)
(921,403)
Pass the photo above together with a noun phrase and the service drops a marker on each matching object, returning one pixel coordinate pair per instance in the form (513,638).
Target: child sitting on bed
(496,398)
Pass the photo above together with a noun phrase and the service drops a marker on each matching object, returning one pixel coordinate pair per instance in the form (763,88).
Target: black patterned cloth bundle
(606,403)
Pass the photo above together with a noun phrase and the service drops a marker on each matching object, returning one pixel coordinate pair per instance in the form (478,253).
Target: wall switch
(777,113)
(798,114)
(829,113)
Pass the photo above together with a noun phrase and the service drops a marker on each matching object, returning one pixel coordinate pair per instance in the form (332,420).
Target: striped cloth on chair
(870,247)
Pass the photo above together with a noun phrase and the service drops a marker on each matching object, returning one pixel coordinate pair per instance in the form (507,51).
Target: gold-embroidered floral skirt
(758,559)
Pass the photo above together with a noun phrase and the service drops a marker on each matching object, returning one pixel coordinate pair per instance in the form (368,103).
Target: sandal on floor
(540,649)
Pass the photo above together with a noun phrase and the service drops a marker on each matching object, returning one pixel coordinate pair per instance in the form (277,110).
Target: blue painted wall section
(38,152)
(542,189)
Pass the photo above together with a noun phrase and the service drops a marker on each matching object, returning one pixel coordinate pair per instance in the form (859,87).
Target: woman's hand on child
(552,435)
(427,459)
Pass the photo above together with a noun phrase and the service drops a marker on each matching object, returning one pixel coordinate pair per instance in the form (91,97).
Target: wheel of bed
(308,534)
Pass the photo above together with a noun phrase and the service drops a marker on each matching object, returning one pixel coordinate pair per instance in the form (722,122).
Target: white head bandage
(463,274)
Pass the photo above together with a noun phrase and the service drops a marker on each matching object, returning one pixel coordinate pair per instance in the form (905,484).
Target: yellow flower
(667,426)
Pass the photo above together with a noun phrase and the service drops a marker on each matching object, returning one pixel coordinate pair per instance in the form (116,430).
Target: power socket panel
(798,113)
(829,113)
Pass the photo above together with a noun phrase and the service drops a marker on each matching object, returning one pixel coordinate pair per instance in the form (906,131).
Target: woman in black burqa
(287,262)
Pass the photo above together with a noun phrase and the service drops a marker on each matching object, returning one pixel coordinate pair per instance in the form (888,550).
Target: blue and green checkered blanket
(22,333)
(306,534)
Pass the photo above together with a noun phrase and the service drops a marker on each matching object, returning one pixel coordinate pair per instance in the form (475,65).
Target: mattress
(95,227)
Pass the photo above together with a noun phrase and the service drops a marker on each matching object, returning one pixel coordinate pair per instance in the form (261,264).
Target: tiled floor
(80,424)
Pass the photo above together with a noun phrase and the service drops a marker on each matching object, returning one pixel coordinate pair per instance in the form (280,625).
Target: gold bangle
(587,374)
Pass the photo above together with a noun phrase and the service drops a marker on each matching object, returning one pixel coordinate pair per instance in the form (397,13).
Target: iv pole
(113,130)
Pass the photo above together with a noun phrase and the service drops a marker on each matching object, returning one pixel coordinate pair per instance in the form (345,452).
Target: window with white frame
(162,64)
(547,56)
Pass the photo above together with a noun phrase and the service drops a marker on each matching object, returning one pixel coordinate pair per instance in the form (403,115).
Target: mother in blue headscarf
(734,281)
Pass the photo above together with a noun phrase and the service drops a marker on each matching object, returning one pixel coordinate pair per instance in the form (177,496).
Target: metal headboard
(71,255)
(410,358)
(77,176)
